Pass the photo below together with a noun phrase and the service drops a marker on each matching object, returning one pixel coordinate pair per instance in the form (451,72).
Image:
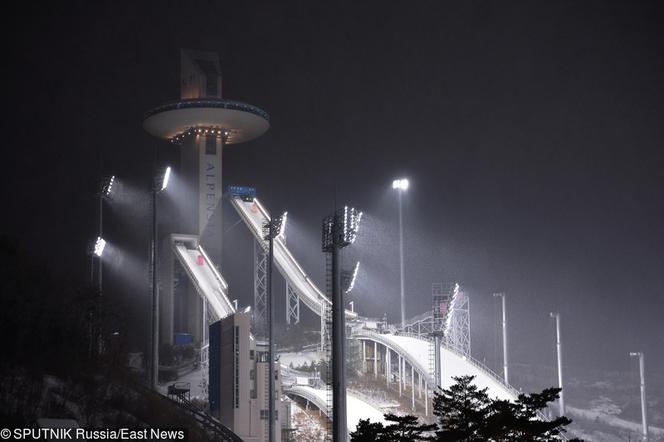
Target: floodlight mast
(504,327)
(644,413)
(401,185)
(271,230)
(159,184)
(559,358)
(104,192)
(339,231)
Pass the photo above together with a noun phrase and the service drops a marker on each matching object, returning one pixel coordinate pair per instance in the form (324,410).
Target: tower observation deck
(202,123)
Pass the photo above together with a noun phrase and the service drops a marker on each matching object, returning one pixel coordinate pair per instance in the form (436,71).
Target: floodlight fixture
(451,308)
(107,186)
(635,353)
(400,184)
(353,277)
(272,228)
(167,176)
(100,244)
(340,229)
(282,228)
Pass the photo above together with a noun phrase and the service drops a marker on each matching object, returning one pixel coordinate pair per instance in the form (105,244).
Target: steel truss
(292,306)
(260,289)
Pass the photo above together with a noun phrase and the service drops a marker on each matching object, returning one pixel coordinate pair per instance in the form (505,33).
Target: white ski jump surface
(452,364)
(356,408)
(255,216)
(209,283)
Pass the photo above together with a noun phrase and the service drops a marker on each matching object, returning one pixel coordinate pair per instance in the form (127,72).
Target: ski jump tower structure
(202,123)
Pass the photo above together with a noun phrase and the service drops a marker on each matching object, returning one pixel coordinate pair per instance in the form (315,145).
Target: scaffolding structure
(260,289)
(292,306)
(457,326)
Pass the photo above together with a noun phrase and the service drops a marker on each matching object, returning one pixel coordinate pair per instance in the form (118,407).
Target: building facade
(238,380)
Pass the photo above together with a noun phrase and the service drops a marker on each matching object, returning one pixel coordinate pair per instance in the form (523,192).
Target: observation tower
(201,123)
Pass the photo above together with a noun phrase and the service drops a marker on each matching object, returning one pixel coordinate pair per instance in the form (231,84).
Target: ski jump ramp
(209,283)
(416,351)
(255,216)
(356,408)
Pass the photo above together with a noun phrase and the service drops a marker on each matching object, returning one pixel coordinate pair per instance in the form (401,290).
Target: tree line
(466,413)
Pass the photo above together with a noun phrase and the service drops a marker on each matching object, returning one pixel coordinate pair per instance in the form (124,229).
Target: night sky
(531,132)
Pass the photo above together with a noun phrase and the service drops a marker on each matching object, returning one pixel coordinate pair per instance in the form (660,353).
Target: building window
(264,415)
(252,355)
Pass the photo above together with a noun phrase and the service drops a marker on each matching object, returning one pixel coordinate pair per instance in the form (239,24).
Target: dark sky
(531,132)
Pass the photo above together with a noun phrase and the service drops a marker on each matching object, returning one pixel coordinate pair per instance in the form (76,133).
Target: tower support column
(375,367)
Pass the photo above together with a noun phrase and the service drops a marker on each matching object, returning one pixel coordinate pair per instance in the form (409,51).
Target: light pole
(339,231)
(104,193)
(644,413)
(94,325)
(561,401)
(271,230)
(504,324)
(159,184)
(401,185)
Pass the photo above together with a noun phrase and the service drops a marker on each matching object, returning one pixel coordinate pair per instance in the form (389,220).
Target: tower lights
(282,227)
(99,246)
(107,186)
(351,285)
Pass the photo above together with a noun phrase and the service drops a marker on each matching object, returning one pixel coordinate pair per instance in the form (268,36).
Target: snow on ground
(359,409)
(356,408)
(452,365)
(308,428)
(299,358)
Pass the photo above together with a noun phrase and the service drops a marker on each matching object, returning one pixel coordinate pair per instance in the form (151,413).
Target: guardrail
(207,102)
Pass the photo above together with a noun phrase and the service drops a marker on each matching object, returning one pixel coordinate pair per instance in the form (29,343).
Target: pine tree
(467,414)
(367,431)
(463,411)
(405,428)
